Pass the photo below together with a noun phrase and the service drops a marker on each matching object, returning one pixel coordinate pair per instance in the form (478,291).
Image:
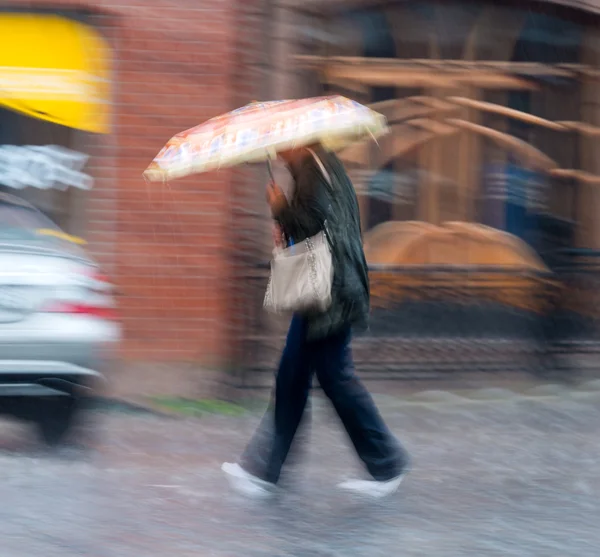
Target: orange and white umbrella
(258,131)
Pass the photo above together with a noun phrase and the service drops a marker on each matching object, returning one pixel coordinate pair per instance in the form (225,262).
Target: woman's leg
(269,448)
(257,452)
(376,446)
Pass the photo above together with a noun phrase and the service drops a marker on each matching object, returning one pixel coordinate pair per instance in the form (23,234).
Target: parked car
(58,327)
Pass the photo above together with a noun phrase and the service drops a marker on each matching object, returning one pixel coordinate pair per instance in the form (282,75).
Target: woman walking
(319,342)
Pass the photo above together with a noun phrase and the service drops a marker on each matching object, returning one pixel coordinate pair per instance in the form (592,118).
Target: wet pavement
(511,477)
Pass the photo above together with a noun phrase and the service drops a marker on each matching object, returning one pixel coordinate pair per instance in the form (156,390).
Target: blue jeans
(330,359)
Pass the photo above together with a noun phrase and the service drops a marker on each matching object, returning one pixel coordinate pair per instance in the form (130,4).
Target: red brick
(177,63)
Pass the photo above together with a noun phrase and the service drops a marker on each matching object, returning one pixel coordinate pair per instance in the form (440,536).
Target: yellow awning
(55,69)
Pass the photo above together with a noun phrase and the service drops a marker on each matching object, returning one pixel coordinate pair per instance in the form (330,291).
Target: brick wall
(165,246)
(264,70)
(179,253)
(173,72)
(248,208)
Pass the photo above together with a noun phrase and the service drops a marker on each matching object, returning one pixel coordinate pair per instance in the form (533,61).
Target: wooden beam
(358,153)
(468,163)
(376,77)
(531,69)
(480,27)
(432,102)
(508,112)
(346,84)
(433,126)
(583,128)
(399,142)
(588,198)
(382,106)
(524,150)
(401,146)
(411,78)
(398,110)
(584,70)
(579,175)
(493,80)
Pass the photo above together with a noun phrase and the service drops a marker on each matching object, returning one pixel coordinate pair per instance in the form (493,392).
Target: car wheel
(55,418)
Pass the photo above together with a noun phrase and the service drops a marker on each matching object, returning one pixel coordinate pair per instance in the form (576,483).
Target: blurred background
(479,213)
(478,208)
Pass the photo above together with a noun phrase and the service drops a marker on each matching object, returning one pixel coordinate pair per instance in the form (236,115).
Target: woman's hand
(277,236)
(275,198)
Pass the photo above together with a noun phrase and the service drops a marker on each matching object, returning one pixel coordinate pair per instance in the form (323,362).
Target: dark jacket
(313,202)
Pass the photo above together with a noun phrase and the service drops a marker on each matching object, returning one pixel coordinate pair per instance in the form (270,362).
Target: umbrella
(258,131)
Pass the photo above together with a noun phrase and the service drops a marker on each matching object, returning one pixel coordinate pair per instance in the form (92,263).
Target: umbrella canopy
(258,131)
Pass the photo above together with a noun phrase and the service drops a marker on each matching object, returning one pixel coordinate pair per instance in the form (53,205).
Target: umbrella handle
(270,169)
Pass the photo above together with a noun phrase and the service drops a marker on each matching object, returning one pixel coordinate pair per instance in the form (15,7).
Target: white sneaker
(372,488)
(245,483)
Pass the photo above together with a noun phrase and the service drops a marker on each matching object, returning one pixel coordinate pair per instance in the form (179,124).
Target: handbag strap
(321,166)
(330,183)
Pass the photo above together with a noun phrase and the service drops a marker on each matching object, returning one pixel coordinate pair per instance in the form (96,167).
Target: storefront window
(53,101)
(477,95)
(39,161)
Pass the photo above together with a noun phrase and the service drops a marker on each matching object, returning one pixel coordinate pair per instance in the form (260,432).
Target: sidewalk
(139,384)
(493,476)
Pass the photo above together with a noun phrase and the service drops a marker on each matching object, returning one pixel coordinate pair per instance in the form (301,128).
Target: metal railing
(426,321)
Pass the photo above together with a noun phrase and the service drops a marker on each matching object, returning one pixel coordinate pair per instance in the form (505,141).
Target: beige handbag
(302,274)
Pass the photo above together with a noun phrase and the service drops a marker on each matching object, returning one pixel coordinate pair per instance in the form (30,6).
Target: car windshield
(17,217)
(20,221)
